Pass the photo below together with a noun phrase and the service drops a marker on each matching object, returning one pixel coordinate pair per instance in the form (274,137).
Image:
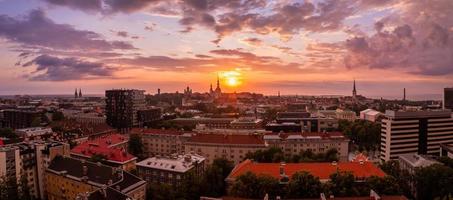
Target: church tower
(354,91)
(218,91)
(80,92)
(75,94)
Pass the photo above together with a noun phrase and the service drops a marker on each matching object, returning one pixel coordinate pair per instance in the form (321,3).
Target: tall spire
(80,92)
(75,94)
(218,81)
(354,90)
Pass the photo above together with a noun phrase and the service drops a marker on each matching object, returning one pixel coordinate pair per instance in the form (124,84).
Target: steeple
(75,94)
(80,92)
(218,82)
(217,89)
(354,91)
(404,95)
(210,89)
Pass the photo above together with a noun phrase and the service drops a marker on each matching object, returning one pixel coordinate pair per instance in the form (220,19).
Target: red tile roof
(360,158)
(227,139)
(105,145)
(327,135)
(321,170)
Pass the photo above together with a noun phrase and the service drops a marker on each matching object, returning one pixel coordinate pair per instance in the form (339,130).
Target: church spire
(80,92)
(218,81)
(75,94)
(354,90)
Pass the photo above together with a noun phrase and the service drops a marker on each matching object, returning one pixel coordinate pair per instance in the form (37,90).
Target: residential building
(419,132)
(33,131)
(448,98)
(111,148)
(413,161)
(122,106)
(17,118)
(170,170)
(162,142)
(230,147)
(295,143)
(207,121)
(246,123)
(371,115)
(69,178)
(284,171)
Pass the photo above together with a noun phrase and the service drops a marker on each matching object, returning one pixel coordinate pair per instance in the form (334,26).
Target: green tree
(160,192)
(387,185)
(249,185)
(24,193)
(57,116)
(304,185)
(342,184)
(214,177)
(435,181)
(7,132)
(272,154)
(446,161)
(135,145)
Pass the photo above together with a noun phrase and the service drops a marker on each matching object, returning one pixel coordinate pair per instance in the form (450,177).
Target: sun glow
(232,78)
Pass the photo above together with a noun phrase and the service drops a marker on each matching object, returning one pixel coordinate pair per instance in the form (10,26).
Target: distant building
(33,132)
(371,115)
(162,142)
(231,147)
(446,150)
(448,98)
(284,171)
(301,121)
(207,121)
(15,118)
(170,170)
(246,123)
(122,106)
(413,161)
(419,132)
(296,143)
(70,179)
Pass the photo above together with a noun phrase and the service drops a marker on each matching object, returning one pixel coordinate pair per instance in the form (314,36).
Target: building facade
(419,132)
(448,98)
(171,170)
(162,142)
(122,106)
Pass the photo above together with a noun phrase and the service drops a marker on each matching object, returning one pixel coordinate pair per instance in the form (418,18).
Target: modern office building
(448,98)
(122,106)
(16,118)
(171,170)
(419,132)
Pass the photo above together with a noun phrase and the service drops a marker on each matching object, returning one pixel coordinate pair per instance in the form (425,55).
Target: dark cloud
(253,41)
(36,30)
(50,68)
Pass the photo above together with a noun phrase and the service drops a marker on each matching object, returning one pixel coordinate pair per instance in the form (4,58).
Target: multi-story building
(122,106)
(28,161)
(448,98)
(70,178)
(419,132)
(207,121)
(301,121)
(446,150)
(162,142)
(170,170)
(246,123)
(33,132)
(413,161)
(16,118)
(111,149)
(148,115)
(295,143)
(230,147)
(371,115)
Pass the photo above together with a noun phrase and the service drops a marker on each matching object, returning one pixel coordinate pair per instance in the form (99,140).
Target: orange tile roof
(105,145)
(227,139)
(159,131)
(321,170)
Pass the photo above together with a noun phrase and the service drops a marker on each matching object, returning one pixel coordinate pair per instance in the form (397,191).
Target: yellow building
(69,178)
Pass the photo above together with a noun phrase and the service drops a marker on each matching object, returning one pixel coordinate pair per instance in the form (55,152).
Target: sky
(305,47)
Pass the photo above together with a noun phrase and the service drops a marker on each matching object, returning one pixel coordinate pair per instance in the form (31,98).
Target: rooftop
(305,135)
(180,163)
(159,131)
(105,145)
(416,160)
(227,139)
(418,114)
(321,170)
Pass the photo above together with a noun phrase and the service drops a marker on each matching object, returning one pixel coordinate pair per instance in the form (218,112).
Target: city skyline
(313,47)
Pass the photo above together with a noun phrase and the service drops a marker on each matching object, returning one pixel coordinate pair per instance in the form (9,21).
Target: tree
(366,135)
(135,145)
(304,185)
(160,192)
(272,154)
(387,185)
(435,181)
(342,184)
(446,161)
(249,185)
(36,122)
(213,183)
(7,133)
(57,116)
(24,193)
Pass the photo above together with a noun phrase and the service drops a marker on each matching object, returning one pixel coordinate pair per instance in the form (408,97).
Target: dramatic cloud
(51,68)
(253,41)
(222,59)
(37,31)
(85,5)
(417,40)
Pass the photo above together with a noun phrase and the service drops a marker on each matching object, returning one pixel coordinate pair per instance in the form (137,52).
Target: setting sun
(232,78)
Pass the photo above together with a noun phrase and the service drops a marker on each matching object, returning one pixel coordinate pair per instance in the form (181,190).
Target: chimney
(282,169)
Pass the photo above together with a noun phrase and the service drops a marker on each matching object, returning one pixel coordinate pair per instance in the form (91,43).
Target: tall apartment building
(122,106)
(419,132)
(29,161)
(448,98)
